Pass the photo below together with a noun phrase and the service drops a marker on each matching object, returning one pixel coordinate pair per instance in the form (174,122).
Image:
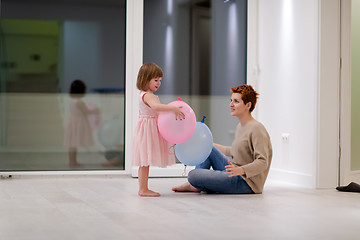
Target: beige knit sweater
(252,150)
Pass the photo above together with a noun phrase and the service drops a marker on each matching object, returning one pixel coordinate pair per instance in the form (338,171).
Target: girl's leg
(144,191)
(72,157)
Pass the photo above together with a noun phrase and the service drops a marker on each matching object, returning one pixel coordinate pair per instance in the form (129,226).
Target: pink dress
(78,132)
(149,147)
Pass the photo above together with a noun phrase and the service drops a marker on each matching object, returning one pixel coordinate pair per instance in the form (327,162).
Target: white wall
(293,60)
(134,45)
(287,83)
(328,94)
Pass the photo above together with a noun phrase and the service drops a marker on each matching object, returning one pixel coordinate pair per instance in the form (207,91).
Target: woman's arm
(224,149)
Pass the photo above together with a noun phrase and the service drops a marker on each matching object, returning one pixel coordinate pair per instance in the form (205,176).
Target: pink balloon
(94,118)
(177,131)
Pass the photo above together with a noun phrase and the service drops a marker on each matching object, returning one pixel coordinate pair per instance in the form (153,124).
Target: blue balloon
(198,148)
(110,133)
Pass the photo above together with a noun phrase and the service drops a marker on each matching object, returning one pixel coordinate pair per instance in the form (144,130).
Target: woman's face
(237,106)
(154,84)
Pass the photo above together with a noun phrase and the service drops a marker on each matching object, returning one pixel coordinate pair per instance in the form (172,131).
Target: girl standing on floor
(78,132)
(149,147)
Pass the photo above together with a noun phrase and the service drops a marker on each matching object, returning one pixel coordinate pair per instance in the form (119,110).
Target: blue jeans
(217,180)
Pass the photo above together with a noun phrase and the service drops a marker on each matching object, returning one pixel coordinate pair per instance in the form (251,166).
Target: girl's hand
(233,170)
(178,113)
(96,110)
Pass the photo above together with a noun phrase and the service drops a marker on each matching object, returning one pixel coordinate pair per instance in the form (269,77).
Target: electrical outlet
(285,137)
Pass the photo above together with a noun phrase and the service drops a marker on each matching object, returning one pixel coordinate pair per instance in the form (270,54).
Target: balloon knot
(179,99)
(203,120)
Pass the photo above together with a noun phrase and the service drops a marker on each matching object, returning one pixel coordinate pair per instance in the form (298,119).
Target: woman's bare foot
(148,193)
(186,187)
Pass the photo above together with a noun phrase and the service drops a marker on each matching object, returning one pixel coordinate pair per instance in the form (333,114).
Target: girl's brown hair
(147,72)
(248,94)
(77,89)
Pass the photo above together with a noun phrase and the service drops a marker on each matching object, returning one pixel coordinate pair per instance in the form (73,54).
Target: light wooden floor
(105,208)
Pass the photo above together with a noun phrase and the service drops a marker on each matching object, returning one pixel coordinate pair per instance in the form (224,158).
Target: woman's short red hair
(248,94)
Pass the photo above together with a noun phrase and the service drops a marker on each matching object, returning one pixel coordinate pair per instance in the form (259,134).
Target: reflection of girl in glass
(78,132)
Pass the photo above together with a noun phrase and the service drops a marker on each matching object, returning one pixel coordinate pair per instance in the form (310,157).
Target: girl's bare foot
(75,165)
(148,193)
(111,163)
(186,187)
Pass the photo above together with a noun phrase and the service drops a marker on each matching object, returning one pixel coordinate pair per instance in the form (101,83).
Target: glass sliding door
(44,47)
(201,47)
(350,86)
(355,85)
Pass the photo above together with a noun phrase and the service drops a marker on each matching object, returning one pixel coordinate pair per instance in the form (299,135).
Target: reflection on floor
(99,207)
(56,161)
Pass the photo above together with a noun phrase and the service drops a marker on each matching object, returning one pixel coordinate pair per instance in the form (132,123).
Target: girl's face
(237,106)
(154,84)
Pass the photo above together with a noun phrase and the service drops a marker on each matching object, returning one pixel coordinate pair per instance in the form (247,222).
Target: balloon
(110,133)
(177,131)
(198,148)
(94,118)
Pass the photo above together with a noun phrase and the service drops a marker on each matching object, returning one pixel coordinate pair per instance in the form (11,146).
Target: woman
(250,153)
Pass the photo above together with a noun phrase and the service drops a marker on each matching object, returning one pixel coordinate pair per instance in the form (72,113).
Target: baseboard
(292,177)
(177,170)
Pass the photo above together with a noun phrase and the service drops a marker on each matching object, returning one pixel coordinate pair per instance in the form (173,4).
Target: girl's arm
(82,106)
(149,99)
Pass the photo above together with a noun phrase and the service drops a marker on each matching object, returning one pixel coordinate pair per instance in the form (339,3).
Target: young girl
(149,147)
(78,132)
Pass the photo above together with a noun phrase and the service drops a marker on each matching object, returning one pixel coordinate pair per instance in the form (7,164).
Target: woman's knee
(193,176)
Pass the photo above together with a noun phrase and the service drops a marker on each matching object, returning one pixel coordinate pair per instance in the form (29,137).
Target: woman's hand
(233,170)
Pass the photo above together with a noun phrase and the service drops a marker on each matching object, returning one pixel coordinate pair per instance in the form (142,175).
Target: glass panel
(201,47)
(44,47)
(355,85)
